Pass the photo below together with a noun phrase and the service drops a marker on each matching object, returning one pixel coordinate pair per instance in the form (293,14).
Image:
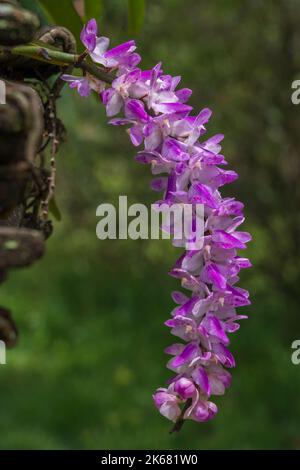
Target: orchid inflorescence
(159,117)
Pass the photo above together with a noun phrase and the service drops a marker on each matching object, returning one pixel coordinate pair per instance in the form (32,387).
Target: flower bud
(185,388)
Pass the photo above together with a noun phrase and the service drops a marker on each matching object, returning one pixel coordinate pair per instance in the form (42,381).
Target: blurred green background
(91,312)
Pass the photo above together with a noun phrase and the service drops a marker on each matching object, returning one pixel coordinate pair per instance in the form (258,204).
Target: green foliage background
(91,312)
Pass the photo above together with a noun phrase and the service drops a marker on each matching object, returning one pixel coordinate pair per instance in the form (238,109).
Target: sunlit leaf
(136,14)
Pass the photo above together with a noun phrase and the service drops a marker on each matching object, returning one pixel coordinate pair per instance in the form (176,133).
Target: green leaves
(34,6)
(63,13)
(93,9)
(54,209)
(136,15)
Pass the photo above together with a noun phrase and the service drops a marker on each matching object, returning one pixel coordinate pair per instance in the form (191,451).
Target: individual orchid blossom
(88,35)
(84,85)
(187,170)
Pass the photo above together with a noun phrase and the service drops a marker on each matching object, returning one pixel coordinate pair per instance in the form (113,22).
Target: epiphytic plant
(190,170)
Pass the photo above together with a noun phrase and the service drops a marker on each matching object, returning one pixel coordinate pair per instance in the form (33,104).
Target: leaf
(93,9)
(39,43)
(34,6)
(54,209)
(63,13)
(136,15)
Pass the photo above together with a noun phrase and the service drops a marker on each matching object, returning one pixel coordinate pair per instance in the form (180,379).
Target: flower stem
(180,421)
(55,57)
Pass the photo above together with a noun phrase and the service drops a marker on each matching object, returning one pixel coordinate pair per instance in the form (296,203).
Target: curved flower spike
(187,170)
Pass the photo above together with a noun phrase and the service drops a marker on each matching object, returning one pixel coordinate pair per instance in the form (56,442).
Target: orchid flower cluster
(188,169)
